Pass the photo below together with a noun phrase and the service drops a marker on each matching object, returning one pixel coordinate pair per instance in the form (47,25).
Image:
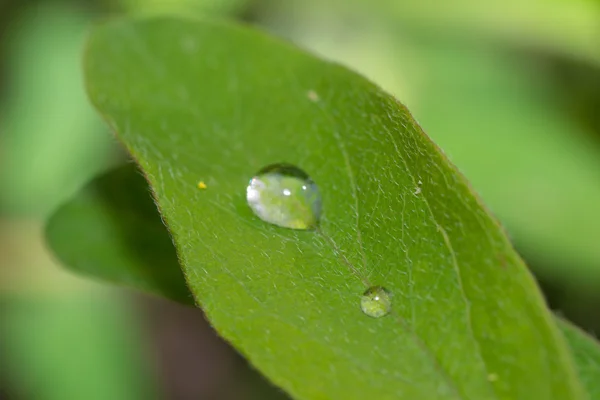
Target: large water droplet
(284,195)
(376,302)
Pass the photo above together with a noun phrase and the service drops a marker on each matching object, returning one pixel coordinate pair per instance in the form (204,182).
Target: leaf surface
(198,101)
(69,223)
(587,356)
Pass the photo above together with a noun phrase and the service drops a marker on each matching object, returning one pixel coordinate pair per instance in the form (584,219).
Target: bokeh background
(510,89)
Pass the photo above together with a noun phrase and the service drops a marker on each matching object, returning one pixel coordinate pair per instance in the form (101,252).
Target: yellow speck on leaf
(201,185)
(312,96)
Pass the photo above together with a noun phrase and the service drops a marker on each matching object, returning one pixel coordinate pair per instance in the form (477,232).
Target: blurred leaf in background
(586,352)
(567,27)
(109,231)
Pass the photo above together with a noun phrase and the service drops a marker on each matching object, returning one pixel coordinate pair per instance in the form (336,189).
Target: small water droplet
(376,302)
(284,195)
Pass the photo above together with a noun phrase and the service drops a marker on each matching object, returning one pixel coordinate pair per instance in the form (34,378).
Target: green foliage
(141,215)
(470,76)
(199,101)
(587,357)
(111,230)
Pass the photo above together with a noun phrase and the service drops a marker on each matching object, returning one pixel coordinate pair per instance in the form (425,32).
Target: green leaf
(127,178)
(196,101)
(586,351)
(109,230)
(476,100)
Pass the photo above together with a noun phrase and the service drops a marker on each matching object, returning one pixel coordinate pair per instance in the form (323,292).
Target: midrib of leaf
(348,166)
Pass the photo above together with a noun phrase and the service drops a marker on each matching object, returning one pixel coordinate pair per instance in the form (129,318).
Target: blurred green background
(509,89)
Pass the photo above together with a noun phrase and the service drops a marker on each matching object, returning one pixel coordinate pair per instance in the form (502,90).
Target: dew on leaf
(376,302)
(284,195)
